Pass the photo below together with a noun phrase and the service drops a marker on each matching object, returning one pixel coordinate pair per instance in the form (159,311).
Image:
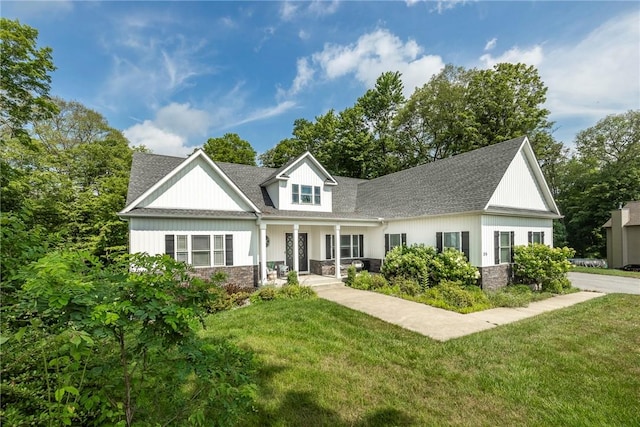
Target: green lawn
(606,271)
(322,364)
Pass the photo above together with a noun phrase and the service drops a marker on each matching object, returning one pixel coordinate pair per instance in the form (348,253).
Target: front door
(303,259)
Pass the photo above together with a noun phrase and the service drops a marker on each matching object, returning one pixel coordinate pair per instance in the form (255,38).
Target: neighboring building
(244,219)
(623,236)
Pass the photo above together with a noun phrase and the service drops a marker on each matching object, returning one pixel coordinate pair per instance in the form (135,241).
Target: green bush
(378,281)
(407,286)
(453,296)
(452,265)
(410,262)
(292,278)
(363,281)
(295,292)
(351,275)
(265,293)
(543,267)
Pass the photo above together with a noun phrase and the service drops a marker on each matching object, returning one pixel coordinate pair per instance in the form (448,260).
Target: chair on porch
(283,270)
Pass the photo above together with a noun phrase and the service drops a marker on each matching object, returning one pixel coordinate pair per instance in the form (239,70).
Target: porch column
(263,253)
(296,255)
(336,244)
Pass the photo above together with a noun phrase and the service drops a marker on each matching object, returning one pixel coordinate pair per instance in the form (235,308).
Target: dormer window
(305,194)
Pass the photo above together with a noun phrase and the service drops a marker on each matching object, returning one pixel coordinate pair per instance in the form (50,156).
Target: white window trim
(351,246)
(533,237)
(212,251)
(500,247)
(315,196)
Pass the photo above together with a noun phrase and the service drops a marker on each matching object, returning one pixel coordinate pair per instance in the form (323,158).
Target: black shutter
(542,237)
(530,237)
(386,243)
(404,239)
(439,241)
(361,245)
(465,244)
(228,248)
(327,246)
(496,246)
(512,245)
(169,245)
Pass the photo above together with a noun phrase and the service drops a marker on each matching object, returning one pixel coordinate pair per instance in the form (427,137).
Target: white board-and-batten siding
(520,226)
(305,173)
(197,186)
(148,235)
(423,230)
(518,187)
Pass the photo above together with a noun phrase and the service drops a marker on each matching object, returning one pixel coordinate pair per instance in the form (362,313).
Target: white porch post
(263,253)
(336,245)
(296,260)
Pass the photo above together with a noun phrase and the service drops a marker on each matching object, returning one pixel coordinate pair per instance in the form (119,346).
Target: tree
(604,172)
(230,148)
(24,78)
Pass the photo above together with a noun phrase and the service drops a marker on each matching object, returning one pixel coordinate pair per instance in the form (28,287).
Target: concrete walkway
(437,323)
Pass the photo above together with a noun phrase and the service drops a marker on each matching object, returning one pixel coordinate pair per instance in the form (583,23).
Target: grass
(325,365)
(606,271)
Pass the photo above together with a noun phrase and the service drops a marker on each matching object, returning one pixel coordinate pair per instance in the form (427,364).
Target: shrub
(292,278)
(378,281)
(453,296)
(406,285)
(543,267)
(410,262)
(363,281)
(265,293)
(452,265)
(295,292)
(351,276)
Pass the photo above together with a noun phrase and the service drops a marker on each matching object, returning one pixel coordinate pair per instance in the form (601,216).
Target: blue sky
(172,74)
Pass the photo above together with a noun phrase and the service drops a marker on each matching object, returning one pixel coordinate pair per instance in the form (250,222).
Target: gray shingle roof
(463,183)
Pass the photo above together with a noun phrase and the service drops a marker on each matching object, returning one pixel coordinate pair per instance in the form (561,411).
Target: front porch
(315,248)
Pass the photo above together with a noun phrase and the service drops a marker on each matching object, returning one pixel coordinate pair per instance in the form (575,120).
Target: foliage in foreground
(78,322)
(287,291)
(543,267)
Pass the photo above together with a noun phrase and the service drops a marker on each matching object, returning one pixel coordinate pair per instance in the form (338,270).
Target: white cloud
(490,44)
(157,140)
(532,56)
(288,10)
(443,5)
(264,113)
(598,76)
(323,7)
(367,58)
(169,132)
(304,35)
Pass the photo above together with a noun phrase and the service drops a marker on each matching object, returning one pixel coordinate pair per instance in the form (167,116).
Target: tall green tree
(24,78)
(604,172)
(230,148)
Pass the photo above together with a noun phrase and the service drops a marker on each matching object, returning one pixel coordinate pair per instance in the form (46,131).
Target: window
(182,253)
(503,245)
(218,250)
(316,195)
(393,240)
(451,240)
(201,251)
(536,237)
(305,194)
(296,194)
(351,246)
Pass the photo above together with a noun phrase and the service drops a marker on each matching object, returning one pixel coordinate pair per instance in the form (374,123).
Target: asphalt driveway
(606,284)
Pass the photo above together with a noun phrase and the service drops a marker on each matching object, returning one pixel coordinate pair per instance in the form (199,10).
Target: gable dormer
(302,184)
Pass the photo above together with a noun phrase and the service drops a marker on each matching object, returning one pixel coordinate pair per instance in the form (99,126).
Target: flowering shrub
(543,267)
(409,261)
(452,265)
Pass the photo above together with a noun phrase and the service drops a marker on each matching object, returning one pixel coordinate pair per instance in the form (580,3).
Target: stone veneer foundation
(246,275)
(495,276)
(327,267)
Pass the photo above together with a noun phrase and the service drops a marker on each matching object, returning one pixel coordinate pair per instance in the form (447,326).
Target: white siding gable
(197,186)
(304,173)
(519,187)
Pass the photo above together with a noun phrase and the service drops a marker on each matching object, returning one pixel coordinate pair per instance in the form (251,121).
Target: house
(244,219)
(623,236)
